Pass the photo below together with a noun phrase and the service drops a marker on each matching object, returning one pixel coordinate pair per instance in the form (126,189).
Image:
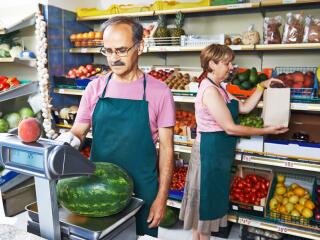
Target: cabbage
(13,119)
(26,112)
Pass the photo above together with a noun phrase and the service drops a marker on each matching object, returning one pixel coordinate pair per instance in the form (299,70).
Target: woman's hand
(275,130)
(267,83)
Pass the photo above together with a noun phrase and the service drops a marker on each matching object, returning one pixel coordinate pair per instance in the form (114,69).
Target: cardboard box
(251,144)
(243,171)
(276,107)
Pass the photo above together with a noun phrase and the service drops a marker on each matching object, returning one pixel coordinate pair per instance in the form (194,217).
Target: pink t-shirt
(159,96)
(205,121)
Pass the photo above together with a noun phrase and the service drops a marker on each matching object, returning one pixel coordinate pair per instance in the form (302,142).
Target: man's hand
(157,212)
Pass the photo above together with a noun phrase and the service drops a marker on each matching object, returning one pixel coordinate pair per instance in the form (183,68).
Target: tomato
(4,86)
(13,82)
(247,190)
(240,185)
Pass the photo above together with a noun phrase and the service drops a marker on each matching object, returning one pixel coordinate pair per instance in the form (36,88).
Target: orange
(299,191)
(307,213)
(283,209)
(281,190)
(299,207)
(309,204)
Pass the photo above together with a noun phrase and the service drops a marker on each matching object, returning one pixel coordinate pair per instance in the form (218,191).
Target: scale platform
(81,227)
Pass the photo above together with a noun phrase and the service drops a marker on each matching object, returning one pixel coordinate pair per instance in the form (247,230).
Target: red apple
(298,76)
(89,67)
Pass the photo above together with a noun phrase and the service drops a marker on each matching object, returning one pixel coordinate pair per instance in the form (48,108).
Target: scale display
(26,158)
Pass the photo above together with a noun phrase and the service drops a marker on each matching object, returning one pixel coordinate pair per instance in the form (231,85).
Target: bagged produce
(293,30)
(251,36)
(276,107)
(271,28)
(312,30)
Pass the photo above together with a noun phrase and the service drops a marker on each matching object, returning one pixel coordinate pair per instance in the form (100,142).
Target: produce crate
(236,91)
(307,182)
(301,93)
(251,209)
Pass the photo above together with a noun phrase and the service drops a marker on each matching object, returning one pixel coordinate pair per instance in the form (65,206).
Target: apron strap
(105,88)
(219,87)
(144,86)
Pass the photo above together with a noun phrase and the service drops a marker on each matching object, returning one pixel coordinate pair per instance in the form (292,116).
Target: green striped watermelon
(170,218)
(105,193)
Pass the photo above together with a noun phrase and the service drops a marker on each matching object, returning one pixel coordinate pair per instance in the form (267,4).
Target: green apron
(122,135)
(217,151)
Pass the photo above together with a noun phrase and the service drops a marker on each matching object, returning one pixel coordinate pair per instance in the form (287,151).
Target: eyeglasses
(121,52)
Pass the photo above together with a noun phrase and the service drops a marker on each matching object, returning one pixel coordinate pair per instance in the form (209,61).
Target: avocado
(262,77)
(245,85)
(253,78)
(236,82)
(244,75)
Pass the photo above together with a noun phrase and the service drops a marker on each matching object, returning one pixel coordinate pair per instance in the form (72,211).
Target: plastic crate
(307,182)
(301,93)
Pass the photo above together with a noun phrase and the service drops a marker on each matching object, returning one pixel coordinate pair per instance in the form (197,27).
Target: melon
(26,112)
(13,119)
(106,192)
(4,126)
(170,218)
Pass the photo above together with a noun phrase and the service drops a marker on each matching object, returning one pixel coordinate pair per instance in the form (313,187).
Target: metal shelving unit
(26,22)
(28,62)
(22,90)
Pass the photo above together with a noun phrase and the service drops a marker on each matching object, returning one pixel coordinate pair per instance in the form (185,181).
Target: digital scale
(48,161)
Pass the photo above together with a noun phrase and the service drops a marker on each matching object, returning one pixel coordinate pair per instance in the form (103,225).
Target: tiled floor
(177,233)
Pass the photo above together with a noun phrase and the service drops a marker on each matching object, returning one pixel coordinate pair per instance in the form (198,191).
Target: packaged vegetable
(293,30)
(312,30)
(251,36)
(272,30)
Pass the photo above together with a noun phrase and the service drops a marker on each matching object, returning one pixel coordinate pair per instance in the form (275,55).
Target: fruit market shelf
(279,161)
(264,3)
(26,88)
(260,47)
(28,62)
(276,227)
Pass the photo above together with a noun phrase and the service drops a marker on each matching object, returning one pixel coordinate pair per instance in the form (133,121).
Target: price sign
(288,164)
(246,158)
(84,50)
(288,1)
(282,229)
(244,221)
(236,47)
(239,6)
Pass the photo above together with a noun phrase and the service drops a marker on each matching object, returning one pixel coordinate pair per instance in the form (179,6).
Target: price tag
(288,164)
(236,47)
(288,1)
(173,49)
(239,6)
(244,221)
(84,50)
(238,156)
(61,90)
(246,158)
(282,229)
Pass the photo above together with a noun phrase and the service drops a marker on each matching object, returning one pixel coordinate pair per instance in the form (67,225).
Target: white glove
(68,137)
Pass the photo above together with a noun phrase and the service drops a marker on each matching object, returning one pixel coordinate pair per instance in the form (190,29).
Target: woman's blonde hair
(216,53)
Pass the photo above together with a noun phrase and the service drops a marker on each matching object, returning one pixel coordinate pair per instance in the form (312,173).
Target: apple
(81,67)
(84,71)
(89,67)
(72,76)
(88,75)
(70,73)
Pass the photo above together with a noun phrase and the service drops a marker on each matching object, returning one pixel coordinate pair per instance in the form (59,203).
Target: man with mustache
(130,111)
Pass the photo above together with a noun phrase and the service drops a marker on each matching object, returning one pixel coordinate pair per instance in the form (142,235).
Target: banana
(318,73)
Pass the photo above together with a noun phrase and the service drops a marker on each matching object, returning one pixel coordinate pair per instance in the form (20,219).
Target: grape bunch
(251,120)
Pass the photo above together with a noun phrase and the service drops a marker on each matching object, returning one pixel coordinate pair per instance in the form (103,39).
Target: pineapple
(162,31)
(177,32)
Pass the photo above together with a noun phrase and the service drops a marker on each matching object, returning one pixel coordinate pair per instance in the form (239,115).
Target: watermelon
(106,192)
(4,126)
(26,112)
(170,218)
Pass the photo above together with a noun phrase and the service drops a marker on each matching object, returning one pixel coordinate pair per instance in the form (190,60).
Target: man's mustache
(118,63)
